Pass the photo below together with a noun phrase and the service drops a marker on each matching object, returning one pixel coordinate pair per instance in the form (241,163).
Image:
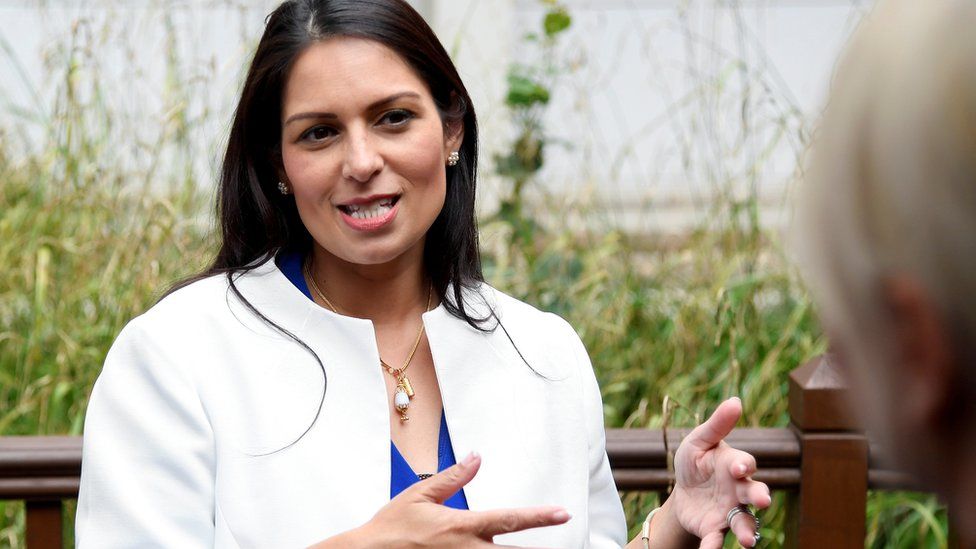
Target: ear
(278,163)
(924,346)
(283,177)
(453,137)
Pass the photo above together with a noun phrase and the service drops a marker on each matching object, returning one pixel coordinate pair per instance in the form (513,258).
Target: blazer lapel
(340,472)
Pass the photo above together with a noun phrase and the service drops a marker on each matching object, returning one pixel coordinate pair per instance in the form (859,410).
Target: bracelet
(646,529)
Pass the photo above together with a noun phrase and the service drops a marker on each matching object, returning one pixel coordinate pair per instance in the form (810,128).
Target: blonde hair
(891,187)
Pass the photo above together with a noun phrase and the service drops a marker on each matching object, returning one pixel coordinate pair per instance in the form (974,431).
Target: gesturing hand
(711,478)
(417,518)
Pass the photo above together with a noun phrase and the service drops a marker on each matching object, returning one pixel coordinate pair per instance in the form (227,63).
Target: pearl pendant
(401,401)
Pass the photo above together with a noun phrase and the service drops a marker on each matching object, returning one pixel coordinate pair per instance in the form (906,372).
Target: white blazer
(196,389)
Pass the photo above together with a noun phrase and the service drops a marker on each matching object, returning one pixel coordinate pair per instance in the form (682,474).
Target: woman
(343,345)
(888,238)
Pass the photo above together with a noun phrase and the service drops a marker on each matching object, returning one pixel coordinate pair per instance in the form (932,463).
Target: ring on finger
(744,509)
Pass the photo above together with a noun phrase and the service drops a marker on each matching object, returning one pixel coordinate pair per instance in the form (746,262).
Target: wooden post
(830,509)
(44,530)
(953,542)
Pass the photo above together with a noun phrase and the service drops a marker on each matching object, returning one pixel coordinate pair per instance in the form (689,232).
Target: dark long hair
(256,220)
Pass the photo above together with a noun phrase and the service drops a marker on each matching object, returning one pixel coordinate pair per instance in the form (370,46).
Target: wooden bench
(821,458)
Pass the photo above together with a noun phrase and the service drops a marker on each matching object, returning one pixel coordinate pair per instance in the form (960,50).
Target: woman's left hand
(711,478)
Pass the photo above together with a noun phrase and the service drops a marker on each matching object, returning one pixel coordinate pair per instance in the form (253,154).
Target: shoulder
(225,296)
(188,306)
(152,355)
(524,316)
(544,336)
(170,326)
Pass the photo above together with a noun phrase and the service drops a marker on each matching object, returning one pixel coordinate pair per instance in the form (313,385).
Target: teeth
(371,210)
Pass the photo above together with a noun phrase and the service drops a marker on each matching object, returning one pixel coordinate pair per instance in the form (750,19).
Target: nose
(362,160)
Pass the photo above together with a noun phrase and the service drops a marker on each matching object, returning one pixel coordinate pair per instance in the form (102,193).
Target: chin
(375,254)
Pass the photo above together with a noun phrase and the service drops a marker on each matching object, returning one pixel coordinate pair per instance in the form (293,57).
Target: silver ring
(744,509)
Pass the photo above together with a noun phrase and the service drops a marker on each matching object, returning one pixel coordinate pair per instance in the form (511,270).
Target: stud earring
(283,188)
(453,159)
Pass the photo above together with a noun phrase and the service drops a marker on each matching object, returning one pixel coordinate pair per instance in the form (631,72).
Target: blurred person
(887,238)
(314,385)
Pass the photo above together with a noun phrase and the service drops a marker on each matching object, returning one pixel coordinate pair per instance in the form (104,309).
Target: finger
(741,464)
(716,427)
(712,541)
(751,492)
(445,484)
(503,521)
(744,529)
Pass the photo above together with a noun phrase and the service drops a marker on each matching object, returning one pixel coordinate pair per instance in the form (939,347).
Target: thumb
(717,427)
(445,484)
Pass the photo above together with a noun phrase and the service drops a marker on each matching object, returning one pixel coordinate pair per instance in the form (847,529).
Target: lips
(370,213)
(370,207)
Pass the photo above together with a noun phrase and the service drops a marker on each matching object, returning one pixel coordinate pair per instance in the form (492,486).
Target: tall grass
(87,242)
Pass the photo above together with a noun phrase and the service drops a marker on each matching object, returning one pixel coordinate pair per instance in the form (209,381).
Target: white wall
(668,100)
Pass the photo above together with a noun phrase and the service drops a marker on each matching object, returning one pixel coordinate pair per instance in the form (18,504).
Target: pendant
(401,401)
(405,383)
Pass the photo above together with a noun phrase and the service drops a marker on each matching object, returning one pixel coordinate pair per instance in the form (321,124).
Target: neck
(389,293)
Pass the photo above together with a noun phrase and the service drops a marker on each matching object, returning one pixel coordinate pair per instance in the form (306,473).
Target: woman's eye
(317,134)
(397,117)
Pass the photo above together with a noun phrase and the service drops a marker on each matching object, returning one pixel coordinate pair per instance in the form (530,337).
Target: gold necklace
(404,391)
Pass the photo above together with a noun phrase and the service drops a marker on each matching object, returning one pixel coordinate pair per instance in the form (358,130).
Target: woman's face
(364,151)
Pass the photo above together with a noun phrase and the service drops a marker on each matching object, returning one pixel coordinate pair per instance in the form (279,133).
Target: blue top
(402,475)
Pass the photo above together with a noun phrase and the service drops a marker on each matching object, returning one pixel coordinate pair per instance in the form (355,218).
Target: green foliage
(85,246)
(720,314)
(524,93)
(556,21)
(905,520)
(527,98)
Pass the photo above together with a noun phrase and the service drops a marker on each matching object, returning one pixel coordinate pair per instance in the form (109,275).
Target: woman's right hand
(417,518)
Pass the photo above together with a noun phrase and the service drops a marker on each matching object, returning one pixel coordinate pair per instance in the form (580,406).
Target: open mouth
(369,210)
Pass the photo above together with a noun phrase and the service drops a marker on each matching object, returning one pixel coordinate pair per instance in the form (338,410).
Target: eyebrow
(373,106)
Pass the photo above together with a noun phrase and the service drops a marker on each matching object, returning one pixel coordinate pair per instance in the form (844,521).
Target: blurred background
(637,162)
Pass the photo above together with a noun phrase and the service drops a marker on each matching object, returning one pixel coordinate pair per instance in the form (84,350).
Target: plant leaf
(557,21)
(524,92)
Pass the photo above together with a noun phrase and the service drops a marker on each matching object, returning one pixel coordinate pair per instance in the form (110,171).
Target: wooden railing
(821,458)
